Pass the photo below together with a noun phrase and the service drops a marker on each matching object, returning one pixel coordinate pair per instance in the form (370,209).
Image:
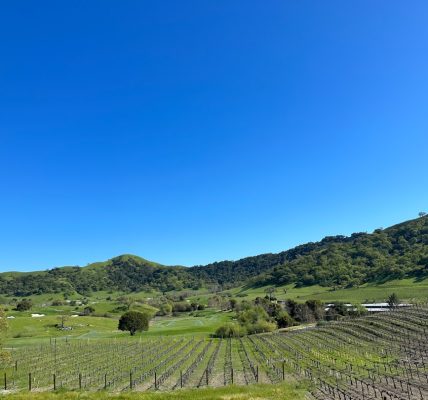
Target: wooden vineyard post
(181,379)
(257,373)
(29,381)
(156,381)
(54,381)
(206,376)
(231,375)
(80,380)
(105,381)
(283,370)
(131,384)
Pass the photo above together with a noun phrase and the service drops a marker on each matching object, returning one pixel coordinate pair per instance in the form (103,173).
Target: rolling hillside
(400,251)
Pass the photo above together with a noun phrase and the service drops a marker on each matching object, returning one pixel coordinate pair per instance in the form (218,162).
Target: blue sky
(192,131)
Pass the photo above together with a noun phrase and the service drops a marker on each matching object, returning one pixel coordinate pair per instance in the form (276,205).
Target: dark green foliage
(24,305)
(311,311)
(261,327)
(337,311)
(317,309)
(336,261)
(124,273)
(340,262)
(88,310)
(181,307)
(165,309)
(184,306)
(359,310)
(230,329)
(134,321)
(253,318)
(284,320)
(393,301)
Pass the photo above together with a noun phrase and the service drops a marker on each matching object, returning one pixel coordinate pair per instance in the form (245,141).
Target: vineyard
(381,356)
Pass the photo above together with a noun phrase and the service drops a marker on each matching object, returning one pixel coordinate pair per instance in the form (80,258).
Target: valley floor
(25,329)
(354,359)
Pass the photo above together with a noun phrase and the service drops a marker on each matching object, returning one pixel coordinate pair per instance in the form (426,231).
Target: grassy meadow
(24,330)
(406,290)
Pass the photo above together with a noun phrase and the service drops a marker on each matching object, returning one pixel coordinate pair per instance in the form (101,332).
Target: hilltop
(397,252)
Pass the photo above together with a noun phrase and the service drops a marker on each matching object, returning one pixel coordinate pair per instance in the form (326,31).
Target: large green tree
(134,321)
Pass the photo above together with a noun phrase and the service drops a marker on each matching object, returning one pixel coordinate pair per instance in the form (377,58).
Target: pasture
(409,289)
(24,329)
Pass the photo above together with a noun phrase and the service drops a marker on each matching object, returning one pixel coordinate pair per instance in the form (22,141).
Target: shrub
(165,309)
(24,305)
(261,327)
(230,329)
(181,307)
(252,315)
(88,310)
(284,320)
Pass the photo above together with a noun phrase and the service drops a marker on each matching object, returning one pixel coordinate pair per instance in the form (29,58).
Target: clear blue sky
(193,131)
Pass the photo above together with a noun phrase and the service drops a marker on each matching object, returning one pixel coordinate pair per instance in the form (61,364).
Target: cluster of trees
(167,307)
(310,311)
(339,310)
(175,303)
(186,307)
(122,273)
(266,314)
(336,261)
(258,316)
(341,262)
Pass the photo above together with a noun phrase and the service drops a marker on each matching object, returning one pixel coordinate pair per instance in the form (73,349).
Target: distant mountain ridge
(337,261)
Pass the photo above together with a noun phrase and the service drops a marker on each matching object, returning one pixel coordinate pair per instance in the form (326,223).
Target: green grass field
(201,323)
(24,329)
(406,290)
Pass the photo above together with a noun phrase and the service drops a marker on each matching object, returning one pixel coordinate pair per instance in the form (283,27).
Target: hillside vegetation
(400,251)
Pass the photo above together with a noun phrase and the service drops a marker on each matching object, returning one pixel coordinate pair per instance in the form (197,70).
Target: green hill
(400,251)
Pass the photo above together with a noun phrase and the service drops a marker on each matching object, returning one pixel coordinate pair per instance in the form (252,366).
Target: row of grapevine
(383,356)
